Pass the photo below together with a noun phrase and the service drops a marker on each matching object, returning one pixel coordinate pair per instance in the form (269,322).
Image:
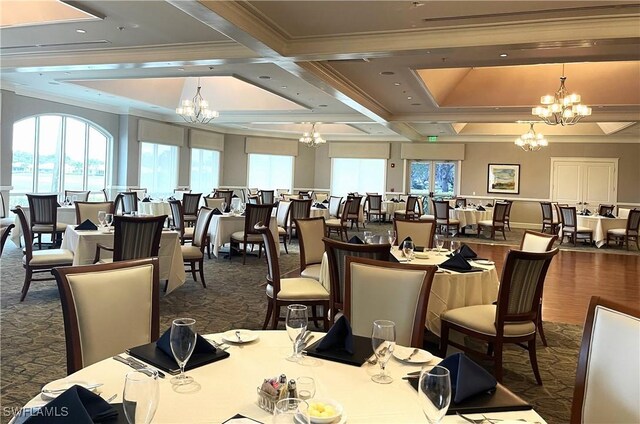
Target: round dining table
(228,387)
(470,216)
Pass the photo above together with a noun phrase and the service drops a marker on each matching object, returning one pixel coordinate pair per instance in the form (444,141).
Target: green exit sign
(432,138)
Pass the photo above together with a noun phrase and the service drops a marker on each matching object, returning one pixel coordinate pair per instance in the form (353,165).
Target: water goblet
(223,206)
(439,241)
(296,323)
(140,396)
(368,237)
(183,341)
(291,410)
(455,246)
(108,219)
(306,387)
(407,249)
(434,392)
(383,341)
(101,216)
(391,234)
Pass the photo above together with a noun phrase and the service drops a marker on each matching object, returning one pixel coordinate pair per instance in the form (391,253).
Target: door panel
(592,182)
(567,183)
(599,183)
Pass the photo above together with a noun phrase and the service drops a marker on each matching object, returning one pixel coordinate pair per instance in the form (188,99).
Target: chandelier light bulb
(312,138)
(196,110)
(561,108)
(531,141)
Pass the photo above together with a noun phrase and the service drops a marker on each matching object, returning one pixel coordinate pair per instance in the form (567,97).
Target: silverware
(88,387)
(112,398)
(221,346)
(238,337)
(374,359)
(137,365)
(413,353)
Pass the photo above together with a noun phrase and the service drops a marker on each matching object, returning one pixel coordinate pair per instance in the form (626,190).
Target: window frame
(384,173)
(432,172)
(293,171)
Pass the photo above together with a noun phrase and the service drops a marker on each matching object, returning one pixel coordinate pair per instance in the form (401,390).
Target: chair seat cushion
(299,289)
(188,232)
(481,319)
(282,231)
(489,223)
(333,223)
(580,229)
(621,232)
(401,212)
(425,217)
(37,228)
(251,238)
(190,217)
(312,271)
(50,257)
(190,252)
(451,221)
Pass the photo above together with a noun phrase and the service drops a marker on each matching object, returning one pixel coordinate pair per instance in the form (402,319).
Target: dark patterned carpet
(32,336)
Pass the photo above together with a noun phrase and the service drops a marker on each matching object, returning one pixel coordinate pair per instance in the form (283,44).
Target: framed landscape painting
(504,178)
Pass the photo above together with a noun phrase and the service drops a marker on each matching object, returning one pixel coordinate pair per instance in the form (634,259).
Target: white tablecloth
(470,216)
(600,225)
(449,290)
(154,208)
(390,207)
(66,215)
(83,245)
(222,226)
(228,387)
(316,213)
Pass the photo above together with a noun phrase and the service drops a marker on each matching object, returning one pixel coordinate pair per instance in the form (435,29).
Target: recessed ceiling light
(81,31)
(387,73)
(264,77)
(503,55)
(409,97)
(396,84)
(54,83)
(180,69)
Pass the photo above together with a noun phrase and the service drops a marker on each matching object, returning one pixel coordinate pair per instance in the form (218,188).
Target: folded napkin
(339,337)
(467,377)
(480,208)
(171,198)
(80,406)
(355,240)
(325,201)
(401,201)
(86,226)
(586,212)
(202,346)
(216,211)
(320,206)
(402,242)
(467,252)
(456,263)
(609,215)
(489,205)
(146,199)
(395,200)
(235,196)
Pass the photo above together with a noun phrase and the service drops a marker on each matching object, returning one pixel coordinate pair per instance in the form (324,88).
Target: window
(53,153)
(270,172)
(357,175)
(433,176)
(158,169)
(205,170)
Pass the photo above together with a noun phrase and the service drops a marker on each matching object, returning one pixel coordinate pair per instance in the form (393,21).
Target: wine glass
(439,240)
(407,249)
(455,245)
(434,392)
(108,219)
(101,216)
(296,323)
(391,234)
(383,341)
(224,206)
(183,341)
(291,410)
(140,396)
(306,387)
(368,237)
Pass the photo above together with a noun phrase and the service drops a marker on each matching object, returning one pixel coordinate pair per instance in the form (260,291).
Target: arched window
(53,153)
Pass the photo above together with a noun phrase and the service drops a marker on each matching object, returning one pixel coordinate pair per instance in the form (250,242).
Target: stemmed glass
(108,219)
(434,392)
(439,240)
(407,249)
(224,206)
(140,396)
(101,217)
(368,237)
(296,322)
(391,234)
(183,341)
(291,410)
(455,246)
(383,341)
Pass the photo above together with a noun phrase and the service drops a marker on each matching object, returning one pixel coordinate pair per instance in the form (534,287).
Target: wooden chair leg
(27,282)
(541,330)
(276,315)
(244,253)
(497,356)
(314,314)
(193,270)
(534,360)
(269,312)
(444,339)
(166,285)
(201,264)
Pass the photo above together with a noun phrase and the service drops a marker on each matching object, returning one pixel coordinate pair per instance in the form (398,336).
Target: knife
(137,365)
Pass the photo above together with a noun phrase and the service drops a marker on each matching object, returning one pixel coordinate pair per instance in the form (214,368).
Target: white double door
(588,180)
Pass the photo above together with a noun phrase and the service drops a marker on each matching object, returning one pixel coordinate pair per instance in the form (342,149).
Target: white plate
(421,255)
(402,352)
(483,262)
(246,336)
(62,385)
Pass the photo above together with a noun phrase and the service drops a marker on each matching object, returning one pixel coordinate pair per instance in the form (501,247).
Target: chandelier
(561,108)
(531,141)
(313,137)
(197,109)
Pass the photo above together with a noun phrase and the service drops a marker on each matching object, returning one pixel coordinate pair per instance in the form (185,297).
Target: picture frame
(503,178)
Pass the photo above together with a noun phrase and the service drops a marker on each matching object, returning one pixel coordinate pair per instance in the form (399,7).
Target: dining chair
(282,216)
(334,206)
(214,202)
(548,220)
(190,205)
(90,210)
(421,231)
(623,212)
(126,202)
(253,215)
(193,254)
(461,202)
(108,308)
(311,233)
(4,235)
(570,227)
(374,208)
(337,251)
(227,195)
(134,237)
(339,225)
(287,291)
(376,290)
(253,200)
(441,212)
(81,195)
(353,211)
(512,319)
(624,235)
(605,209)
(267,197)
(305,194)
(39,261)
(300,209)
(43,217)
(507,215)
(4,220)
(105,194)
(606,389)
(141,193)
(533,241)
(498,221)
(177,215)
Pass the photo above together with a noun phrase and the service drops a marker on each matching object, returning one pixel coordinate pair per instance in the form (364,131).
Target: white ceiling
(327,61)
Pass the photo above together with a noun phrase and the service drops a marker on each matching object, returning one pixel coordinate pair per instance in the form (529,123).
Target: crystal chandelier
(312,138)
(561,108)
(197,109)
(531,141)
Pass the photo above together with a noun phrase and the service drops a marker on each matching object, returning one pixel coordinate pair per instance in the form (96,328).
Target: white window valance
(432,151)
(359,150)
(272,146)
(206,140)
(157,132)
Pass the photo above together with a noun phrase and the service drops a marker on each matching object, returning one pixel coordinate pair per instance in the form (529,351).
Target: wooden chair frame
(571,231)
(495,220)
(342,229)
(437,217)
(118,238)
(425,221)
(382,216)
(303,257)
(56,236)
(249,229)
(627,237)
(4,235)
(285,237)
(547,218)
(197,265)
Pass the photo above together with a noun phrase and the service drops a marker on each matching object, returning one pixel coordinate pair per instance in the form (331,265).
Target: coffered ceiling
(384,70)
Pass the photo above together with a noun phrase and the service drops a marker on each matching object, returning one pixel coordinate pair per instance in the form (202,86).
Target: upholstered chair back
(311,231)
(267,197)
(375,202)
(89,210)
(214,202)
(300,209)
(177,215)
(81,195)
(224,194)
(441,210)
(282,213)
(43,209)
(191,203)
(500,213)
(412,201)
(633,222)
(421,232)
(334,206)
(605,209)
(377,290)
(623,212)
(321,197)
(4,234)
(533,241)
(255,214)
(128,201)
(201,231)
(354,209)
(136,237)
(547,211)
(568,216)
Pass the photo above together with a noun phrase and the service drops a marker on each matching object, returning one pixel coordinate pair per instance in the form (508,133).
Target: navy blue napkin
(202,346)
(586,212)
(401,201)
(394,200)
(235,196)
(87,225)
(320,206)
(355,240)
(456,263)
(467,377)
(609,215)
(338,337)
(480,208)
(467,252)
(171,198)
(80,406)
(325,201)
(489,205)
(146,199)
(216,211)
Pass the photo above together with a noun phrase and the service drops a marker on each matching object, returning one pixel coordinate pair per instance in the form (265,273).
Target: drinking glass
(140,396)
(286,409)
(183,341)
(368,237)
(455,245)
(101,216)
(439,239)
(306,387)
(224,206)
(296,323)
(108,219)
(383,341)
(407,249)
(434,392)
(74,198)
(391,234)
